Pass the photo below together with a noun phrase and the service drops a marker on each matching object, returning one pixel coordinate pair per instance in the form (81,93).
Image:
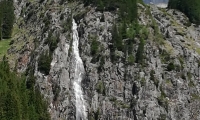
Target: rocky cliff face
(166,86)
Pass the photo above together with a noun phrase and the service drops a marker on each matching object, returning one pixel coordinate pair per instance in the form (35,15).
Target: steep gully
(79,72)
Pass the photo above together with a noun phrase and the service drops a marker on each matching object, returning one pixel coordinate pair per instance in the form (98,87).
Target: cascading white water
(79,71)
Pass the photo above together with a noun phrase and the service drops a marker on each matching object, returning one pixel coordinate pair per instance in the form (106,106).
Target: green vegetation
(131,59)
(6,18)
(170,66)
(152,77)
(44,63)
(195,96)
(4,45)
(20,100)
(124,30)
(94,46)
(181,60)
(56,91)
(165,56)
(100,88)
(191,9)
(67,24)
(116,38)
(95,50)
(52,41)
(94,115)
(162,117)
(140,50)
(143,81)
(46,21)
(183,76)
(162,101)
(126,6)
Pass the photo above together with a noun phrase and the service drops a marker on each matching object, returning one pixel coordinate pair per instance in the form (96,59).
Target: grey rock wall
(166,86)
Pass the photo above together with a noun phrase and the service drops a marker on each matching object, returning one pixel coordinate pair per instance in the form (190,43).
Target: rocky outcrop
(165,86)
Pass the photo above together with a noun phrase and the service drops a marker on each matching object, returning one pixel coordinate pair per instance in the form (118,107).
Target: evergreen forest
(190,8)
(6,18)
(20,99)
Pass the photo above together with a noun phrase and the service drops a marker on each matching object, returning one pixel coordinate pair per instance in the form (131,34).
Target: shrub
(44,63)
(56,91)
(163,102)
(100,87)
(94,47)
(117,38)
(131,59)
(52,41)
(170,66)
(140,51)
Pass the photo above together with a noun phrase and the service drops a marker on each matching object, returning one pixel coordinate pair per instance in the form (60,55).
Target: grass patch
(4,45)
(198,50)
(195,96)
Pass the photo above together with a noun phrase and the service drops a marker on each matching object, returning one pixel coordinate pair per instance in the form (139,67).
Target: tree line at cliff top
(190,7)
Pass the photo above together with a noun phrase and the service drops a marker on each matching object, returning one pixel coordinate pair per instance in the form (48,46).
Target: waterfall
(78,74)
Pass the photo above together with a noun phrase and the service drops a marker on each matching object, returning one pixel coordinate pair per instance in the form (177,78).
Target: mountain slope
(148,70)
